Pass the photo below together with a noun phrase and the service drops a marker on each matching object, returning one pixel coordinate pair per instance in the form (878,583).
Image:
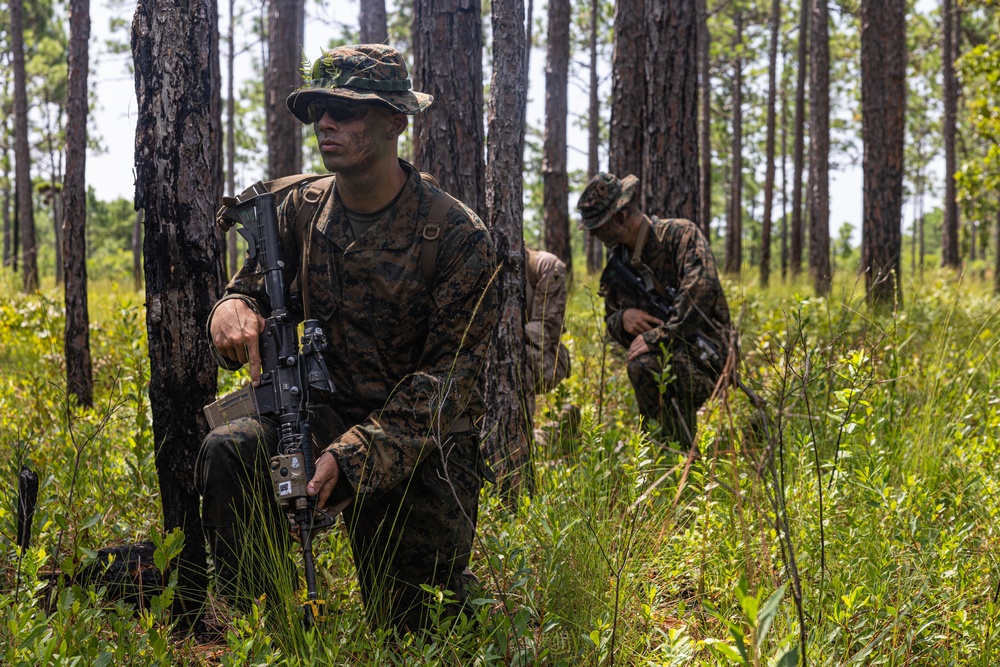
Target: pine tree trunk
(734,224)
(178,159)
(819,149)
(705,124)
(798,147)
(593,249)
(508,426)
(772,85)
(22,154)
(784,175)
(231,250)
(79,374)
(285,36)
(950,255)
(372,22)
(883,111)
(628,91)
(555,177)
(448,137)
(670,155)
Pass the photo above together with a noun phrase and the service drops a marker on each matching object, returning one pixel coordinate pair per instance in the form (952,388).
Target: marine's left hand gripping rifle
(619,274)
(292,378)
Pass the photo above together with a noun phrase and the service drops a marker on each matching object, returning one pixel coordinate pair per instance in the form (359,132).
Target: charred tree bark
(628,91)
(22,153)
(285,31)
(705,125)
(819,149)
(670,146)
(734,227)
(178,159)
(798,146)
(372,22)
(950,255)
(883,111)
(508,426)
(555,177)
(593,249)
(137,250)
(772,86)
(447,63)
(79,373)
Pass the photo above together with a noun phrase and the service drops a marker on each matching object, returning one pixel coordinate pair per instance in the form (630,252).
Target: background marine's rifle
(292,378)
(624,277)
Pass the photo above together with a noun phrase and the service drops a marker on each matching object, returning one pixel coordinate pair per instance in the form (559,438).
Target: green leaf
(767,614)
(724,649)
(790,658)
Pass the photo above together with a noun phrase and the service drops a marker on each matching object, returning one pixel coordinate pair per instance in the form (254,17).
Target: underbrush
(850,514)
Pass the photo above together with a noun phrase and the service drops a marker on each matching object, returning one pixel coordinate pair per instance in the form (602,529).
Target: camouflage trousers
(418,532)
(670,390)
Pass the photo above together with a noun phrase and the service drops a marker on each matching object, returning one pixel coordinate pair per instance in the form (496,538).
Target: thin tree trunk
(555,177)
(734,227)
(883,110)
(285,31)
(508,423)
(231,249)
(592,247)
(79,374)
(178,160)
(819,150)
(705,126)
(372,22)
(58,216)
(527,44)
(22,153)
(949,233)
(798,147)
(784,174)
(670,155)
(447,63)
(628,91)
(765,229)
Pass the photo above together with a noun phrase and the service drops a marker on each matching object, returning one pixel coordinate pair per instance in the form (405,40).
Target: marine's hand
(637,321)
(235,333)
(325,479)
(638,347)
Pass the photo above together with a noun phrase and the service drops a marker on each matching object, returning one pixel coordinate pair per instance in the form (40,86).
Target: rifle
(292,377)
(624,277)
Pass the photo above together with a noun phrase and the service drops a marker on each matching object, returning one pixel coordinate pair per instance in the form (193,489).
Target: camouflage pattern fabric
(679,257)
(604,196)
(406,363)
(548,360)
(361,73)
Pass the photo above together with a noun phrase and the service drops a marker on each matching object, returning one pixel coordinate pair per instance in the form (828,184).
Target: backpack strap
(431,232)
(313,200)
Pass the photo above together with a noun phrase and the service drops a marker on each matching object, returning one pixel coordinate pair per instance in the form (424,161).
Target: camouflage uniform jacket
(679,257)
(548,359)
(405,361)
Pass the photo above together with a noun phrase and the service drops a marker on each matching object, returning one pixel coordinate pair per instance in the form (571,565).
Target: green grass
(884,435)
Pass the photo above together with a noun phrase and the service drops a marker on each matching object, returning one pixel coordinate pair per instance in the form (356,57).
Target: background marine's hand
(236,330)
(637,321)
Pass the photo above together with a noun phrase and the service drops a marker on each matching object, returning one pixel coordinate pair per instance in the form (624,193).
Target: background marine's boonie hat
(604,196)
(360,72)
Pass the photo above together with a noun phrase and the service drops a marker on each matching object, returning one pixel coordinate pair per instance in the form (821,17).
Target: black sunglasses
(339,112)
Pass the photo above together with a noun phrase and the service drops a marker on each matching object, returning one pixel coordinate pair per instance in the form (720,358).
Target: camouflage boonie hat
(361,72)
(604,196)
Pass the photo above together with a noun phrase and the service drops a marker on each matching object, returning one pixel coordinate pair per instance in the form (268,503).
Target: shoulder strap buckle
(431,232)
